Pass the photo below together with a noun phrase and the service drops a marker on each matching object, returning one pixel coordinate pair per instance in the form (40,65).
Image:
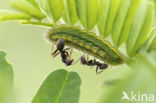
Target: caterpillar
(86,42)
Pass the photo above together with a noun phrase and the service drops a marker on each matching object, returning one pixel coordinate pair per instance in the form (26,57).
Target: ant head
(69,62)
(103,66)
(60,44)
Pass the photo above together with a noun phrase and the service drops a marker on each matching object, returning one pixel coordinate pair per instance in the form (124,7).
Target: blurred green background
(29,53)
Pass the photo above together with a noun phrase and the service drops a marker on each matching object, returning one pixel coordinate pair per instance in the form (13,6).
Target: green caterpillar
(87,42)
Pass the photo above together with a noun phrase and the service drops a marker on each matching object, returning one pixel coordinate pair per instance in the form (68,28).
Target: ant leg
(80,60)
(52,47)
(54,55)
(87,57)
(100,72)
(66,53)
(94,61)
(66,48)
(91,67)
(76,61)
(97,70)
(70,53)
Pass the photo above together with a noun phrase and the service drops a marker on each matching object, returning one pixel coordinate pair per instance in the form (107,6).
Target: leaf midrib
(61,89)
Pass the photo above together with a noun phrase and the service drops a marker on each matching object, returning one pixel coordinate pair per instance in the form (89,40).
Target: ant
(67,61)
(98,65)
(64,54)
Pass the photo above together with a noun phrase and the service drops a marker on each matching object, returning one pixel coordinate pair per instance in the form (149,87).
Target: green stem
(36,23)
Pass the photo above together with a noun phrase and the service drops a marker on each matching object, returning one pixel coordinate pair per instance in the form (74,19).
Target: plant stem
(36,23)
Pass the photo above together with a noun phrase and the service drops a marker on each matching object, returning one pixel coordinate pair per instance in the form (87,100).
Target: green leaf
(148,42)
(6,78)
(70,15)
(113,8)
(6,70)
(25,7)
(33,3)
(41,4)
(54,8)
(123,21)
(141,80)
(140,27)
(102,15)
(87,11)
(127,24)
(13,15)
(152,46)
(60,86)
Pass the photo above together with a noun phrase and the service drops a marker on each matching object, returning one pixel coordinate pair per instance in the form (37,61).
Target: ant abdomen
(60,44)
(69,62)
(83,60)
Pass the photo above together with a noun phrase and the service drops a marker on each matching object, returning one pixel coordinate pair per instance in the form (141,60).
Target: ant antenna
(76,61)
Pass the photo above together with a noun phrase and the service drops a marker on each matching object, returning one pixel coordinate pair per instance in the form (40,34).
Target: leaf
(149,40)
(70,16)
(25,7)
(113,8)
(141,80)
(102,15)
(87,11)
(6,78)
(123,21)
(41,4)
(126,26)
(33,3)
(54,8)
(13,15)
(60,86)
(6,70)
(152,46)
(140,27)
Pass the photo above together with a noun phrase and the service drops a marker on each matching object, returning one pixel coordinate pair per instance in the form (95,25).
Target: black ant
(67,61)
(64,54)
(99,65)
